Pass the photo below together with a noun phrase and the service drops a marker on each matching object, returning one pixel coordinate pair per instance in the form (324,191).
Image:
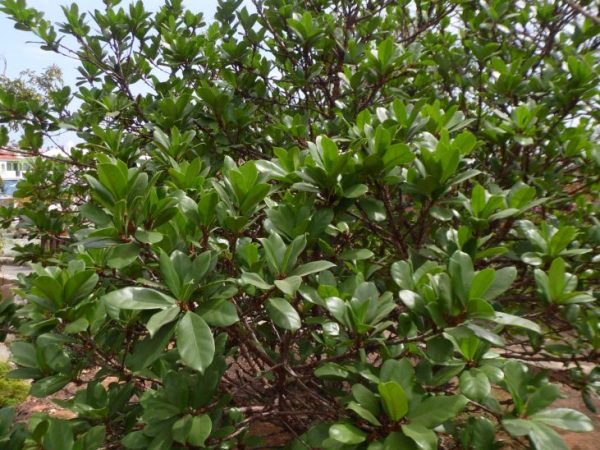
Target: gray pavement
(4,352)
(10,272)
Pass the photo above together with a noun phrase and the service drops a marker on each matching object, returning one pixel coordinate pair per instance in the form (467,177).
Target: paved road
(4,352)
(10,272)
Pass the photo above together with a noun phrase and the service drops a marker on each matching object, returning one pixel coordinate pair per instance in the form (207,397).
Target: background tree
(365,224)
(26,91)
(27,96)
(32,85)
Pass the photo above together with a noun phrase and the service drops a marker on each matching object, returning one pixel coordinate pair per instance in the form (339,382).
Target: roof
(8,155)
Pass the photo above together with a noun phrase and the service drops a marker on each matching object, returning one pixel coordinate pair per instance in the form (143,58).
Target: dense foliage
(336,224)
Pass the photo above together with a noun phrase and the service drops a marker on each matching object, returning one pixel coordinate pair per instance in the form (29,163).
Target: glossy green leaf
(364,413)
(366,398)
(424,438)
(312,267)
(565,418)
(200,430)
(356,254)
(123,255)
(402,275)
(195,342)
(181,429)
(461,272)
(396,440)
(475,385)
(59,435)
(556,279)
(256,280)
(283,314)
(49,385)
(161,318)
(561,239)
(218,312)
(543,396)
(436,410)
(482,281)
(542,436)
(394,399)
(289,285)
(516,321)
(138,298)
(169,274)
(147,351)
(346,434)
(358,190)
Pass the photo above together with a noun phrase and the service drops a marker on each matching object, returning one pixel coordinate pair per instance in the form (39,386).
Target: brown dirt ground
(580,441)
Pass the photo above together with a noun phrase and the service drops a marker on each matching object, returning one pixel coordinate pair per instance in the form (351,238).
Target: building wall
(11,172)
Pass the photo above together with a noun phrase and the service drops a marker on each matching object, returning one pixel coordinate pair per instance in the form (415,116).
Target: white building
(12,167)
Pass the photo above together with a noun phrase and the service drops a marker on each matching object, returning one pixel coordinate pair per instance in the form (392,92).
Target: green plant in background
(12,392)
(364,225)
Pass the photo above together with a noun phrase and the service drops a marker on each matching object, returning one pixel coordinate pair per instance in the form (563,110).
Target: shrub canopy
(331,224)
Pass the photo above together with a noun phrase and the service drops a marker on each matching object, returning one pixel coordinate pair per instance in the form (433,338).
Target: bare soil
(580,441)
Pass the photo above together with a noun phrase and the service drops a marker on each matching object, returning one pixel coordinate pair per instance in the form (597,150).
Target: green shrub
(365,225)
(12,392)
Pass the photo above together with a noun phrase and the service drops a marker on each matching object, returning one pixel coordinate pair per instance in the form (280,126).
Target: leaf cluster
(367,225)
